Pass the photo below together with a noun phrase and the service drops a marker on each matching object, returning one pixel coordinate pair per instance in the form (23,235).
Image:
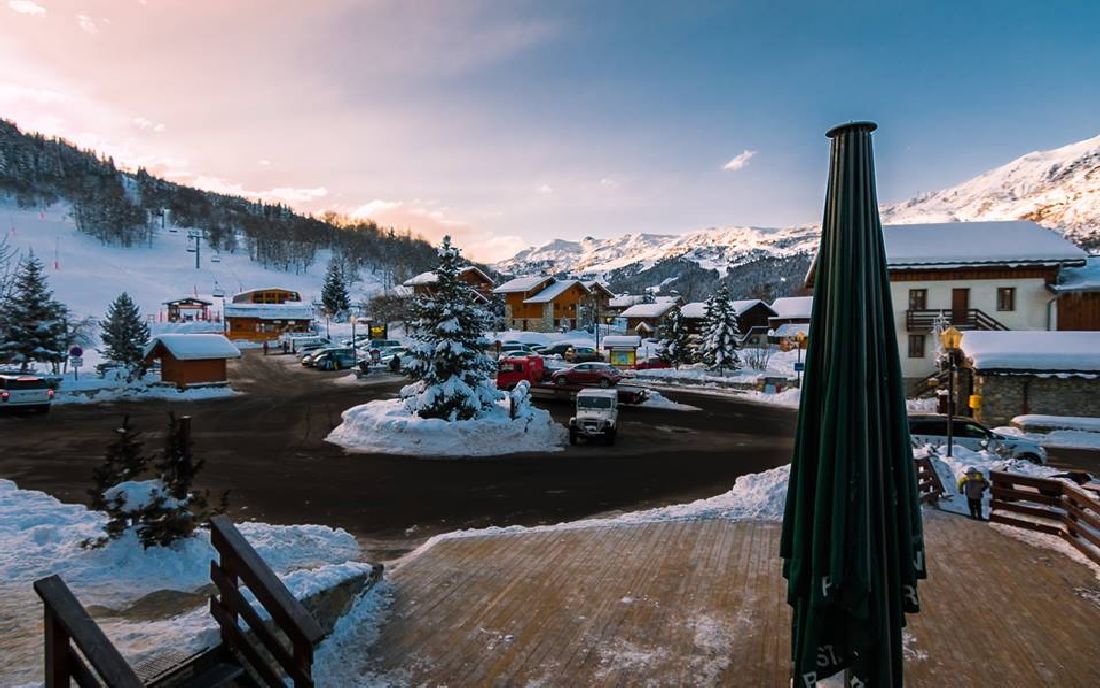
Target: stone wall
(1007,396)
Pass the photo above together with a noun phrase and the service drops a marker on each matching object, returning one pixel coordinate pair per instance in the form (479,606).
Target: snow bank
(140,391)
(386,427)
(1063,439)
(658,400)
(1058,422)
(40,536)
(343,658)
(789,398)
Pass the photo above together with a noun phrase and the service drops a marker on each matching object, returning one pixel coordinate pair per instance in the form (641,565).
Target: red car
(600,374)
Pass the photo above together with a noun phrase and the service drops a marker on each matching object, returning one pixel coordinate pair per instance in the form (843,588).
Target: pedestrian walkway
(702,603)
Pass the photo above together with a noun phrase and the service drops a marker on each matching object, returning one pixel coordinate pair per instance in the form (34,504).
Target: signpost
(76,360)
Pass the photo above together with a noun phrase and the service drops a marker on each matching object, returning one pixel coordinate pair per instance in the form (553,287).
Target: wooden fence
(928,481)
(239,563)
(71,637)
(1053,507)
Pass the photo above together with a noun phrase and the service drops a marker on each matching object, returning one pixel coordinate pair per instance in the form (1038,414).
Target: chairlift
(173,230)
(190,250)
(216,258)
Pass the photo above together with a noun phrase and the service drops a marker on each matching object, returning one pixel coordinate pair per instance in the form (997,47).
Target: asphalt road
(267,447)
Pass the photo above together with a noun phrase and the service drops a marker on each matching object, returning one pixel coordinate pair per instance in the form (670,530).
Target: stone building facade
(1005,396)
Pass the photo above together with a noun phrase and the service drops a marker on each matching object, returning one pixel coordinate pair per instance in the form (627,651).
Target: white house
(974,275)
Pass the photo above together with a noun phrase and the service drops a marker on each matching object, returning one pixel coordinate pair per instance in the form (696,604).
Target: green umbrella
(852,542)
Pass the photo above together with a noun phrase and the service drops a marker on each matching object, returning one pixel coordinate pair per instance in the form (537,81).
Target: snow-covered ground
(41,536)
(1063,439)
(386,427)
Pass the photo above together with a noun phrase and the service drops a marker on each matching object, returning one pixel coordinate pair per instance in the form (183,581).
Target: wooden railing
(67,624)
(1054,507)
(928,481)
(925,319)
(239,563)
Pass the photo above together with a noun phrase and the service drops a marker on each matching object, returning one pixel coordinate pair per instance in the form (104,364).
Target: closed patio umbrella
(852,542)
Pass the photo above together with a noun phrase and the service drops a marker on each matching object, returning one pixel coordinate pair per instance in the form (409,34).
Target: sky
(512,123)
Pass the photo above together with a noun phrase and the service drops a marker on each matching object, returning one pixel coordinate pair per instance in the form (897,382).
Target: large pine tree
(454,376)
(722,333)
(123,333)
(32,324)
(675,344)
(334,292)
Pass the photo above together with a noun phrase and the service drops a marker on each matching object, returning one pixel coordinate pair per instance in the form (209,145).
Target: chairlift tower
(196,236)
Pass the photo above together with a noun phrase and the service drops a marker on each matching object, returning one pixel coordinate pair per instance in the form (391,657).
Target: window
(918,299)
(916,346)
(1006,299)
(965,429)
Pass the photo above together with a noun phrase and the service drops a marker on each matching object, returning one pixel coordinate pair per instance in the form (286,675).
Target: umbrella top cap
(852,127)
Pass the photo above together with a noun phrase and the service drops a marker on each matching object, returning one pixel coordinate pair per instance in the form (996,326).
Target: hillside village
(343,433)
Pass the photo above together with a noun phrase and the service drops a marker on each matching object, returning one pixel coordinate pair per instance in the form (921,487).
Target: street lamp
(353,320)
(951,339)
(801,339)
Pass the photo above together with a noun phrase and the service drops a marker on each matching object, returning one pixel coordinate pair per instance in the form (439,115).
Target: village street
(267,447)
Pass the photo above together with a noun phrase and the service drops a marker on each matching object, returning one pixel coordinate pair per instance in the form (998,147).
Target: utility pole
(197,250)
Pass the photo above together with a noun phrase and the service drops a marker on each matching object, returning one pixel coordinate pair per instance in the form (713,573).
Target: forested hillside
(121,208)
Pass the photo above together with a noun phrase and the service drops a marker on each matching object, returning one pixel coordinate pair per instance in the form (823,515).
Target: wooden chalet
(645,319)
(752,319)
(265,314)
(518,314)
(191,359)
(424,283)
(187,309)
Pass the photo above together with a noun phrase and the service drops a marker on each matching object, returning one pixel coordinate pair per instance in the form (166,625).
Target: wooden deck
(702,603)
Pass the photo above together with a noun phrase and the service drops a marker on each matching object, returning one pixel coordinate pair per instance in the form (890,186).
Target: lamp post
(353,320)
(951,338)
(220,293)
(801,339)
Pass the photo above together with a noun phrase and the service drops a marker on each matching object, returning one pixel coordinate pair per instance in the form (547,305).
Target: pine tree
(123,332)
(334,292)
(31,322)
(722,333)
(675,345)
(454,376)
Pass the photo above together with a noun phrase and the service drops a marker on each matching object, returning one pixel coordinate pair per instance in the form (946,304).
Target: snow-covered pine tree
(675,346)
(334,292)
(722,333)
(31,322)
(123,333)
(454,376)
(124,460)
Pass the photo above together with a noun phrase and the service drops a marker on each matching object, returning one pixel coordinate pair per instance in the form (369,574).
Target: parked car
(310,357)
(932,429)
(382,343)
(360,340)
(582,354)
(334,359)
(25,392)
(507,350)
(558,349)
(597,416)
(588,374)
(300,343)
(387,354)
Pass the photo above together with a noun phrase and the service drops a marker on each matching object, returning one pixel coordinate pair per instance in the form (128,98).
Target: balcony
(924,319)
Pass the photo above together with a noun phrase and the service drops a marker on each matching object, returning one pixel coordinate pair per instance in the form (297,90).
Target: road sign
(799,367)
(76,352)
(76,361)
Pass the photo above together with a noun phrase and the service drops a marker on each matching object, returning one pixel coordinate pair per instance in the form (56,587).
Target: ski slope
(86,275)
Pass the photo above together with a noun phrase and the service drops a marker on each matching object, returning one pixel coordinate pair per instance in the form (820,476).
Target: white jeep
(597,416)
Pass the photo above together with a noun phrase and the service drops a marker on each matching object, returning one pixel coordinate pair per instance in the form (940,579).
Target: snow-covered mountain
(718,248)
(1059,188)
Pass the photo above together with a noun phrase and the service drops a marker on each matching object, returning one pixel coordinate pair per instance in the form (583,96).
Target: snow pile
(790,397)
(343,659)
(1042,351)
(194,347)
(40,536)
(387,427)
(135,495)
(1057,422)
(955,243)
(658,400)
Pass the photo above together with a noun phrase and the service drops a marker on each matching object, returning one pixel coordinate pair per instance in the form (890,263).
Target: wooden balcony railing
(924,319)
(1053,507)
(72,637)
(239,563)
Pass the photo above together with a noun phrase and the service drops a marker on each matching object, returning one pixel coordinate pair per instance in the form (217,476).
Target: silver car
(24,392)
(932,429)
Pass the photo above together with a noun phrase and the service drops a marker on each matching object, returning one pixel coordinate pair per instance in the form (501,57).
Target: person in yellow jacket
(973,485)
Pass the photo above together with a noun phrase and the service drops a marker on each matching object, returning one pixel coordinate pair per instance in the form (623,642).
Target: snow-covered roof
(270,311)
(697,309)
(790,330)
(430,277)
(521,284)
(190,299)
(194,347)
(618,341)
(243,294)
(667,298)
(595,284)
(793,307)
(976,243)
(1039,351)
(746,304)
(647,310)
(626,300)
(1084,278)
(554,291)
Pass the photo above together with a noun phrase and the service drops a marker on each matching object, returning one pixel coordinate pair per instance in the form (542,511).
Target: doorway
(960,305)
